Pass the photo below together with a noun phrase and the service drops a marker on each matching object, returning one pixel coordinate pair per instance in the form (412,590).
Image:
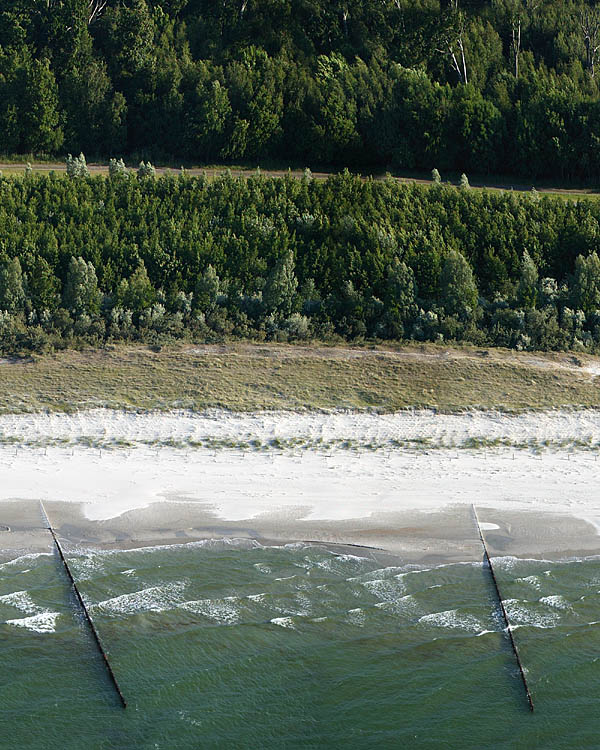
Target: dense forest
(486,86)
(132,257)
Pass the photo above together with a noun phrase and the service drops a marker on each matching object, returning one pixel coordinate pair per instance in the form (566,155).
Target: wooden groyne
(503,610)
(85,610)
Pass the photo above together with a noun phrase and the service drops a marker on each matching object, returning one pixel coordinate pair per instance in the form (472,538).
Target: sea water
(236,645)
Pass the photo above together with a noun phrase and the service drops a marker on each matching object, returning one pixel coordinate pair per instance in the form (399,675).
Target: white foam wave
(256,597)
(283,622)
(45,622)
(451,618)
(305,604)
(404,605)
(385,589)
(153,599)
(86,565)
(262,568)
(342,564)
(218,543)
(21,600)
(520,615)
(28,556)
(357,617)
(557,601)
(532,581)
(224,611)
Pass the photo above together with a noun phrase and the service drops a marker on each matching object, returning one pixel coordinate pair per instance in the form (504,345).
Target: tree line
(136,258)
(496,86)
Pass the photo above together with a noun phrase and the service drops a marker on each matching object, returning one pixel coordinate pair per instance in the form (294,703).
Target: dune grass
(244,377)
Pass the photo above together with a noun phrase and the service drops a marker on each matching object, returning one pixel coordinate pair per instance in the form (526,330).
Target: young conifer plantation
(155,259)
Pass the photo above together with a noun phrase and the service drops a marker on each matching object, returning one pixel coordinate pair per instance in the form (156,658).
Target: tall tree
(12,293)
(587,282)
(527,290)
(457,286)
(80,293)
(282,284)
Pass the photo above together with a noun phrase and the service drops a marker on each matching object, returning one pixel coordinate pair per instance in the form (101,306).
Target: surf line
(503,610)
(85,610)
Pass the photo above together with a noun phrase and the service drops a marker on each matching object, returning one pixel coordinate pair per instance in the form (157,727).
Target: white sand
(317,484)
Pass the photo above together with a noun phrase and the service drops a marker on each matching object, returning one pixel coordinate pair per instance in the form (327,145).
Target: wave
(357,617)
(44,622)
(532,580)
(520,615)
(154,599)
(385,589)
(21,600)
(452,619)
(222,611)
(404,605)
(219,543)
(28,556)
(556,601)
(283,622)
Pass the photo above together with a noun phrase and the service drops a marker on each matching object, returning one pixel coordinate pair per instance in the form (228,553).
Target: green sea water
(236,645)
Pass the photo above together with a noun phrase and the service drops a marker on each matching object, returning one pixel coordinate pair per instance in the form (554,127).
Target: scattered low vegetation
(300,443)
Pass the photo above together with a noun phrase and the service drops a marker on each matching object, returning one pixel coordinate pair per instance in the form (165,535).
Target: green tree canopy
(587,282)
(80,293)
(12,293)
(457,285)
(527,290)
(282,284)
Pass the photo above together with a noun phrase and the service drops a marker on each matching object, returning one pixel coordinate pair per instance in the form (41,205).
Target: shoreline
(435,538)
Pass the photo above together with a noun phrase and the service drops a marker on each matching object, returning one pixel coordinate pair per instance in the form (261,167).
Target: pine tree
(527,291)
(146,169)
(587,283)
(39,109)
(457,284)
(77,166)
(43,286)
(80,294)
(12,293)
(401,289)
(280,289)
(117,168)
(207,290)
(140,292)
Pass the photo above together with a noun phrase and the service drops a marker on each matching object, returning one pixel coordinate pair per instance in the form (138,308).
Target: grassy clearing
(244,377)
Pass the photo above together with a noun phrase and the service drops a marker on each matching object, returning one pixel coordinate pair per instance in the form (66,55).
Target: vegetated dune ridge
(245,377)
(309,466)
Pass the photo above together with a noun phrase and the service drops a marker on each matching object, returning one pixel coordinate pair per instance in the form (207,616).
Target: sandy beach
(404,482)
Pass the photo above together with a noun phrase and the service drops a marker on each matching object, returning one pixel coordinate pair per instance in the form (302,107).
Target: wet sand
(423,537)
